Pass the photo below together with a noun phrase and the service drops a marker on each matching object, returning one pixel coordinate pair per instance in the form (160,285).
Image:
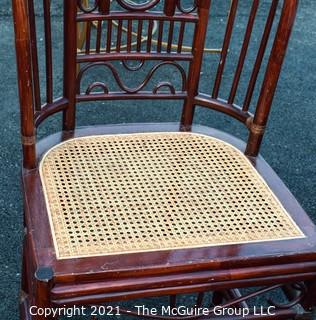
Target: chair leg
(24,279)
(217,298)
(43,281)
(24,291)
(24,306)
(309,301)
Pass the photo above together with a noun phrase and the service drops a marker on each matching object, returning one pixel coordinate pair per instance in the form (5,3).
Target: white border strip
(166,248)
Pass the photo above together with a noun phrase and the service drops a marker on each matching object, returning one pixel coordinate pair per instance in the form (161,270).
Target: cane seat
(116,194)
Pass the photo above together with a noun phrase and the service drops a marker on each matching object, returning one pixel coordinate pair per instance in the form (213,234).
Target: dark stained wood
(160,35)
(22,42)
(223,257)
(50,282)
(119,36)
(235,111)
(134,56)
(170,36)
(104,6)
(139,35)
(243,51)
(99,35)
(129,35)
(225,47)
(170,7)
(133,16)
(70,66)
(88,37)
(195,66)
(35,70)
(271,76)
(149,35)
(260,55)
(48,51)
(181,35)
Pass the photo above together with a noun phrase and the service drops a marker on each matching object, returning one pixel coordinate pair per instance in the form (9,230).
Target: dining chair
(114,213)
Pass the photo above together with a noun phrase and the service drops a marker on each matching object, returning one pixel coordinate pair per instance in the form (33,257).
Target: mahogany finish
(46,281)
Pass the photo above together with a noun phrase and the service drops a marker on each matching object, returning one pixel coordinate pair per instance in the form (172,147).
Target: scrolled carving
(84,6)
(132,6)
(95,85)
(164,84)
(187,10)
(125,88)
(133,68)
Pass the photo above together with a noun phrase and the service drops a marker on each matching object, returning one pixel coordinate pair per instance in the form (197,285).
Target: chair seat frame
(114,278)
(49,282)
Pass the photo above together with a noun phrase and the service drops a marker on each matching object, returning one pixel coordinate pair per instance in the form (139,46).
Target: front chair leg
(24,278)
(43,283)
(25,285)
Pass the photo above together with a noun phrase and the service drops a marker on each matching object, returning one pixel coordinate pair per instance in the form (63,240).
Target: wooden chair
(119,212)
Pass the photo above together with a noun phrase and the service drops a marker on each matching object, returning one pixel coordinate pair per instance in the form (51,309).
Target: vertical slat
(173,301)
(235,294)
(23,56)
(129,35)
(139,35)
(225,47)
(243,51)
(271,77)
(88,37)
(104,6)
(99,36)
(170,36)
(260,55)
(35,72)
(109,36)
(199,299)
(119,36)
(160,35)
(195,65)
(181,35)
(48,51)
(170,7)
(70,66)
(149,35)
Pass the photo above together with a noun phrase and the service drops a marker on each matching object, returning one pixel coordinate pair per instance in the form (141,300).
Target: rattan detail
(115,194)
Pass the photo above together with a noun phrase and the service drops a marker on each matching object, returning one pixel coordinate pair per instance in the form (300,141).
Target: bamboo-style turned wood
(70,66)
(227,38)
(48,51)
(24,63)
(260,55)
(243,51)
(167,21)
(34,53)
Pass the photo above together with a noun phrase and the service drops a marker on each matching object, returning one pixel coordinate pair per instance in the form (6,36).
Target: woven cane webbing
(117,194)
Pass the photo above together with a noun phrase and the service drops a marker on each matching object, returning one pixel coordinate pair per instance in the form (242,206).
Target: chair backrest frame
(33,112)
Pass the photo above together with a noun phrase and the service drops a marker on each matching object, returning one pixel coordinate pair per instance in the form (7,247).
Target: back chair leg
(310,298)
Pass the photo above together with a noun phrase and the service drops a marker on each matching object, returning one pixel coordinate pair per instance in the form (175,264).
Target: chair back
(113,35)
